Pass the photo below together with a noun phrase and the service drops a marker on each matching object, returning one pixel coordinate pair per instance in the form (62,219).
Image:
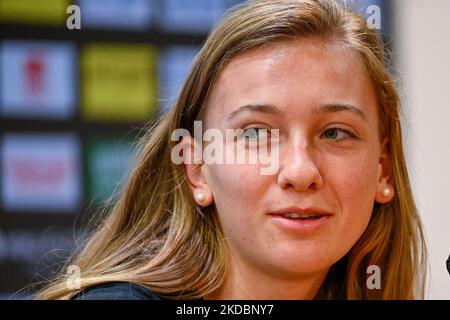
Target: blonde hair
(157,237)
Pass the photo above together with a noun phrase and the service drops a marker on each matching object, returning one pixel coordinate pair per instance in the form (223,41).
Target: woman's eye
(255,133)
(337,134)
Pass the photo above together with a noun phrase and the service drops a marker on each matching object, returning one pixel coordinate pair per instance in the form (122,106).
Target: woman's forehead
(287,72)
(280,53)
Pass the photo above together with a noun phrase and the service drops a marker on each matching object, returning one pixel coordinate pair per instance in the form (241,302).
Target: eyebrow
(325,108)
(340,107)
(262,108)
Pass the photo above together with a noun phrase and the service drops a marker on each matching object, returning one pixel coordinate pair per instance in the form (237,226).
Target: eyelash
(257,129)
(350,134)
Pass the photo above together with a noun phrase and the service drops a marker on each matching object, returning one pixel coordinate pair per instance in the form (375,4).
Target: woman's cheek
(236,197)
(239,180)
(355,186)
(356,174)
(239,192)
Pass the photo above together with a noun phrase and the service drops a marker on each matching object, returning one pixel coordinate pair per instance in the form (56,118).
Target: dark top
(116,291)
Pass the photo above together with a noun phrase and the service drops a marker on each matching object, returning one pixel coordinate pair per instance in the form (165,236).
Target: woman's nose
(298,169)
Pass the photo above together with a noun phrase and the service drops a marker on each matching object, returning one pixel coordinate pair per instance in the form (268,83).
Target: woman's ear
(385,189)
(195,172)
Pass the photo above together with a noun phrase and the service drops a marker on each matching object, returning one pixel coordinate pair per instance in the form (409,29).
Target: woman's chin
(304,262)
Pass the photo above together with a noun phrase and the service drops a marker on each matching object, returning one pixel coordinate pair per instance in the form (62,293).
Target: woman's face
(330,158)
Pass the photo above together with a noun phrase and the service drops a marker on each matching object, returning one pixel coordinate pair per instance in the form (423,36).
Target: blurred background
(74,102)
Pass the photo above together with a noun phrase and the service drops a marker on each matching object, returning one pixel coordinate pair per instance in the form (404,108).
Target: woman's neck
(244,284)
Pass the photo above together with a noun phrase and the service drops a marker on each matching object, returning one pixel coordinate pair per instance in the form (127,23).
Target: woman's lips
(299,225)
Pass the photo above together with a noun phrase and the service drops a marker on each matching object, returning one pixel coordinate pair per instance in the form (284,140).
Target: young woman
(337,209)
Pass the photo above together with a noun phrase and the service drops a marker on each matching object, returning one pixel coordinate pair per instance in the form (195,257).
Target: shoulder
(116,291)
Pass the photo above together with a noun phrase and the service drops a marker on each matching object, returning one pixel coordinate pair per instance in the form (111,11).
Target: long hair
(155,235)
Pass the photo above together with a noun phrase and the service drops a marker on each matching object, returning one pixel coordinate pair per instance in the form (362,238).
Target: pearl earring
(200,197)
(386,192)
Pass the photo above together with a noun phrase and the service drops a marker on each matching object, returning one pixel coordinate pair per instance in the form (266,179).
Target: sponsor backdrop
(72,103)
